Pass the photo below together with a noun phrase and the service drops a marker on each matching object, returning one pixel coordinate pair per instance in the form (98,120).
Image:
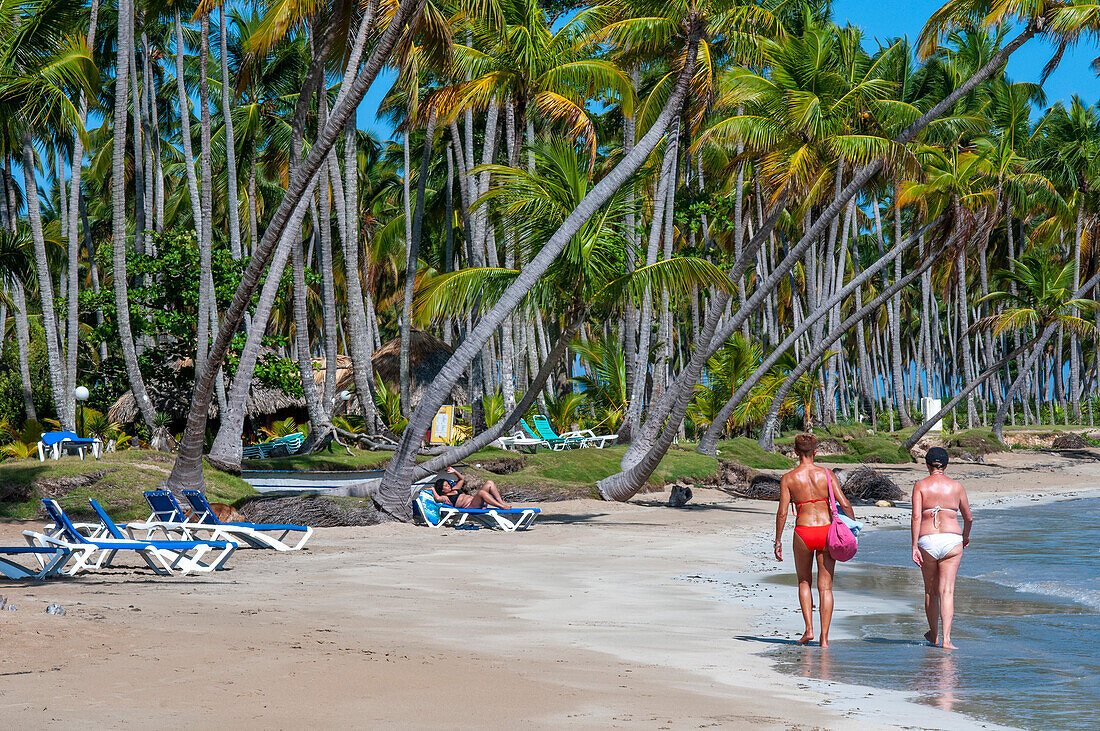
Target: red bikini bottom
(812,535)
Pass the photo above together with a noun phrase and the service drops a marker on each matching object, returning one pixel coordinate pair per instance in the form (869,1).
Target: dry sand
(591,619)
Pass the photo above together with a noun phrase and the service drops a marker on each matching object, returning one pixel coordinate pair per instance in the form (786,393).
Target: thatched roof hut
(262,400)
(427,354)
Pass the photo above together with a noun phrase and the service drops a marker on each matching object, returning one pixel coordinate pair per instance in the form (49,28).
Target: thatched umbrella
(427,354)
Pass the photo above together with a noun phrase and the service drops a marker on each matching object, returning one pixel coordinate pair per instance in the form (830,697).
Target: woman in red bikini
(807,486)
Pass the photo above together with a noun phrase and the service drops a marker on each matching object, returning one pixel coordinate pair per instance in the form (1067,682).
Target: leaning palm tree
(1044,300)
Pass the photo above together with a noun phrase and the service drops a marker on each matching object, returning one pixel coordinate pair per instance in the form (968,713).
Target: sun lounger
(520,443)
(292,443)
(50,561)
(55,442)
(169,517)
(163,557)
(591,439)
(569,440)
(256,535)
(440,515)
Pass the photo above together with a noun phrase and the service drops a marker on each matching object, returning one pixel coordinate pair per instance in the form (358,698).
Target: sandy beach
(591,619)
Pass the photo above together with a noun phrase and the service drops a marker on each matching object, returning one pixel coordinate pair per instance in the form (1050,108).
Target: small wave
(1085,597)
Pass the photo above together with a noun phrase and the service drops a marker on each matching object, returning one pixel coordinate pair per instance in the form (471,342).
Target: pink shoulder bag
(840,541)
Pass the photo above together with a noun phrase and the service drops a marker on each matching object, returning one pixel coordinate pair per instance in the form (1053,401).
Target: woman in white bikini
(938,543)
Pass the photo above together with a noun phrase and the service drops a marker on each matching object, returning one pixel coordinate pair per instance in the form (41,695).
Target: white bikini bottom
(938,545)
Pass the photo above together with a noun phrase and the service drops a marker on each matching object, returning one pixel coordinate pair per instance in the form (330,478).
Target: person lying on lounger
(450,492)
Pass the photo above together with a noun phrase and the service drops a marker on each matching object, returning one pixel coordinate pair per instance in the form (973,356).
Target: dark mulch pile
(868,485)
(503,465)
(742,481)
(313,510)
(1070,441)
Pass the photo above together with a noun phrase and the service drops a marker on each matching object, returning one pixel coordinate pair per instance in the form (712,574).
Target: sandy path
(586,620)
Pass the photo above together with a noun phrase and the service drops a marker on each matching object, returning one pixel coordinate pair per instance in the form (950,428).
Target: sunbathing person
(446,491)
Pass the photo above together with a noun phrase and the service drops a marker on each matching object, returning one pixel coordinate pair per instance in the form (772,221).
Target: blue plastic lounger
(163,557)
(53,442)
(200,546)
(439,515)
(50,561)
(256,535)
(169,517)
(264,450)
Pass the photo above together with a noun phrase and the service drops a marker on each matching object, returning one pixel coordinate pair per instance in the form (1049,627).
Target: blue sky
(883,19)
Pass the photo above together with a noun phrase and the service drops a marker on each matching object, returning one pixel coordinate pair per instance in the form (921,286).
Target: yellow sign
(443,426)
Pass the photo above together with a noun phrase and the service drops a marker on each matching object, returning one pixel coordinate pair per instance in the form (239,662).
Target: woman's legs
(825,565)
(804,568)
(493,496)
(930,569)
(949,568)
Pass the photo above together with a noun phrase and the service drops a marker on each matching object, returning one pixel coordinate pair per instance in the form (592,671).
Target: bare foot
(930,635)
(947,645)
(824,642)
(806,637)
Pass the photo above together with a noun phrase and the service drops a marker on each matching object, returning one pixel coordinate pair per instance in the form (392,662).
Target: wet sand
(591,619)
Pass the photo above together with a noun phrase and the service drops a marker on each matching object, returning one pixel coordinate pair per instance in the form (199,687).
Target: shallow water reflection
(1026,622)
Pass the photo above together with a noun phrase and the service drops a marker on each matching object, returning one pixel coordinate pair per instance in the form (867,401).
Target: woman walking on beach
(938,543)
(807,486)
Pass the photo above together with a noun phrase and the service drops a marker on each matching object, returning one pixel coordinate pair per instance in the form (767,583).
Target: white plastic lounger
(256,535)
(440,515)
(163,557)
(50,559)
(169,518)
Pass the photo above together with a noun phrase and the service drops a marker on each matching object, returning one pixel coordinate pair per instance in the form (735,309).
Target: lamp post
(81,394)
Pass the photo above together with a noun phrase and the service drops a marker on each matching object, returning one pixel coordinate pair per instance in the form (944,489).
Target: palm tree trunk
(137,145)
(708,444)
(230,141)
(964,337)
(394,494)
(73,231)
(360,346)
(226,452)
(58,378)
(412,254)
(767,432)
(513,416)
(206,240)
(185,132)
(22,341)
(118,202)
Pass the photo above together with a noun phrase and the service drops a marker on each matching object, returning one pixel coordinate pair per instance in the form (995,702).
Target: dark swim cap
(936,457)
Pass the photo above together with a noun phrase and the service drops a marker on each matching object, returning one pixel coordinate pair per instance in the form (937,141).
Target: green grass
(574,472)
(336,460)
(872,450)
(840,431)
(116,481)
(975,441)
(747,452)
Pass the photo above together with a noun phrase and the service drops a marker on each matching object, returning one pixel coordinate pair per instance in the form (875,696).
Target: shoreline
(893,705)
(590,619)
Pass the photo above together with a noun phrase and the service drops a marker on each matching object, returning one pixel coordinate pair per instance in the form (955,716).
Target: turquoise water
(1027,621)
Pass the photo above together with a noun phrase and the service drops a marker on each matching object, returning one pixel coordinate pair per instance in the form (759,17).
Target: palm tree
(393,492)
(1044,301)
(188,467)
(42,68)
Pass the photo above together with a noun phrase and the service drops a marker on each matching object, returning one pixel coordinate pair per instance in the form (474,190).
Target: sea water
(1027,621)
